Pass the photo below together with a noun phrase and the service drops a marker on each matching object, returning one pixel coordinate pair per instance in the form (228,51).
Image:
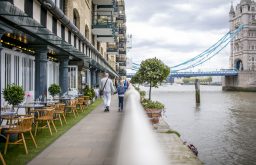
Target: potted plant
(92,94)
(13,94)
(54,89)
(153,109)
(87,92)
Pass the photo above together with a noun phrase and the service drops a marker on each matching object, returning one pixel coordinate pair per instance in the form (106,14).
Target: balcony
(103,2)
(122,72)
(121,17)
(122,40)
(120,58)
(103,26)
(122,46)
(121,64)
(112,48)
(122,52)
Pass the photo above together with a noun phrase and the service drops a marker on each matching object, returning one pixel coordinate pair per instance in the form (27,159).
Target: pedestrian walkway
(91,142)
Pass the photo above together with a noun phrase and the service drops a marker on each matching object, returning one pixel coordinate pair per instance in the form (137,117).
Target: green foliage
(89,92)
(136,79)
(172,131)
(142,93)
(92,93)
(54,89)
(153,71)
(149,104)
(13,94)
(206,80)
(137,88)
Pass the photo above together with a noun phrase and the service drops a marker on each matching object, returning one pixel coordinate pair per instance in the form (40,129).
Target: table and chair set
(45,112)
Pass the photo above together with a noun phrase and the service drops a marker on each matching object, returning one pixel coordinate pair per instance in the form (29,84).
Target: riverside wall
(245,81)
(177,152)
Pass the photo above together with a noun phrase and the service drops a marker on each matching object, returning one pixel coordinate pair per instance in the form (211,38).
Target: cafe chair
(45,115)
(22,125)
(81,104)
(60,112)
(71,107)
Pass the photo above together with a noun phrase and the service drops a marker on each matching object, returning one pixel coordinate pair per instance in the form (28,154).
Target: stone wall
(245,81)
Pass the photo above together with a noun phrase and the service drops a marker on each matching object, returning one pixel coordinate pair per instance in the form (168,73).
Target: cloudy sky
(177,30)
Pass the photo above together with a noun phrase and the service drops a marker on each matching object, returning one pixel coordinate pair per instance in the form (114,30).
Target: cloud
(177,30)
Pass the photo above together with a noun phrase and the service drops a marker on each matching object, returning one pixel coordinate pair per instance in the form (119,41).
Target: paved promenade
(91,142)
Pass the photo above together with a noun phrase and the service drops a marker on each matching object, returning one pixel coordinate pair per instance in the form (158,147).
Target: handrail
(138,144)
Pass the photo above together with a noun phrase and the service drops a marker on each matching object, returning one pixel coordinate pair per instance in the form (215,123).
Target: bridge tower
(243,47)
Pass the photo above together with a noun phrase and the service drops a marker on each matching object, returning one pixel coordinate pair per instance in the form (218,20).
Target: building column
(93,77)
(63,74)
(41,73)
(1,48)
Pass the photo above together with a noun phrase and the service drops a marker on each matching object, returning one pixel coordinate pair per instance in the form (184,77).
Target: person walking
(121,90)
(107,89)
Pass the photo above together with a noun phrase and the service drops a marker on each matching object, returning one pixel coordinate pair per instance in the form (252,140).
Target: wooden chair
(45,115)
(72,106)
(22,125)
(60,111)
(1,156)
(81,104)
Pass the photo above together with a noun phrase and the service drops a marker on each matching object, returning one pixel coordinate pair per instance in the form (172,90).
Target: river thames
(222,127)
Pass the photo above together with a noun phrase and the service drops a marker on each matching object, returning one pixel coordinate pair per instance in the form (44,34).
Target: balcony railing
(122,52)
(103,19)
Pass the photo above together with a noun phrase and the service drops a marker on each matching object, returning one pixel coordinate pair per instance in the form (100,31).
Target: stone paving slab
(90,142)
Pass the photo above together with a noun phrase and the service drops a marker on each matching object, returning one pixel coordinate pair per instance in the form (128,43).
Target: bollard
(197,87)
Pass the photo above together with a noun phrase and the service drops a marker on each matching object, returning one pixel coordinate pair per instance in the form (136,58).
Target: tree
(54,89)
(153,71)
(13,94)
(136,79)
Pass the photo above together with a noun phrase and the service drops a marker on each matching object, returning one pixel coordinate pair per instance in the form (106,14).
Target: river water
(222,127)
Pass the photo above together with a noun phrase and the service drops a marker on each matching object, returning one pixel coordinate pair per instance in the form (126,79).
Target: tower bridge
(242,41)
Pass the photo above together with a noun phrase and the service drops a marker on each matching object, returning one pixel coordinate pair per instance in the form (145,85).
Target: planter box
(154,115)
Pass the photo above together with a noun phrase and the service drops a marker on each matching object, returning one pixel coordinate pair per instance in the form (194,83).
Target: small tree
(136,79)
(54,89)
(153,71)
(13,94)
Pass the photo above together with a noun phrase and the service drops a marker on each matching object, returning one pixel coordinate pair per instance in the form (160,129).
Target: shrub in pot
(153,109)
(54,89)
(13,94)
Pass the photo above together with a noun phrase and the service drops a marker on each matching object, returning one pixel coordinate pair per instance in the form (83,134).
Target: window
(7,69)
(63,32)
(28,7)
(75,41)
(43,16)
(27,74)
(16,69)
(86,32)
(69,37)
(72,77)
(76,18)
(54,25)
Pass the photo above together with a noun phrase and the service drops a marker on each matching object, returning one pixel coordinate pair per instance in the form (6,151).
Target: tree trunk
(149,96)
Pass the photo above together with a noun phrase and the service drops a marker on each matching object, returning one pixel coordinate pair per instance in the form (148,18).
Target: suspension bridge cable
(212,48)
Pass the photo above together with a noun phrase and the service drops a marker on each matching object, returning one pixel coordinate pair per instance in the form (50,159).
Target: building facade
(66,42)
(243,47)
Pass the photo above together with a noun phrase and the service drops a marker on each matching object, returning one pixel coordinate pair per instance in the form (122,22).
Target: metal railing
(138,144)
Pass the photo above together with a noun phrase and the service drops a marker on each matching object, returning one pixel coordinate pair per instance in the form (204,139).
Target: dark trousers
(120,103)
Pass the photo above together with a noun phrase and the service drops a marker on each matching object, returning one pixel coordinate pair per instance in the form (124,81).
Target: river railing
(138,143)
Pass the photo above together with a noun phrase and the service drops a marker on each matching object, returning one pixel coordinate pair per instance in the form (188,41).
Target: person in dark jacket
(121,89)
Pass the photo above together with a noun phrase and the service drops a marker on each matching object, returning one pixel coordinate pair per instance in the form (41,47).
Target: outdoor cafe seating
(60,113)
(45,116)
(19,124)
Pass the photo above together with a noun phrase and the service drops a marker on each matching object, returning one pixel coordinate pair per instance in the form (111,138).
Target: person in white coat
(106,85)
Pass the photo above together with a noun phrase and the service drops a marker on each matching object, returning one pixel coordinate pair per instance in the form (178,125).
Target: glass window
(16,69)
(72,77)
(7,69)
